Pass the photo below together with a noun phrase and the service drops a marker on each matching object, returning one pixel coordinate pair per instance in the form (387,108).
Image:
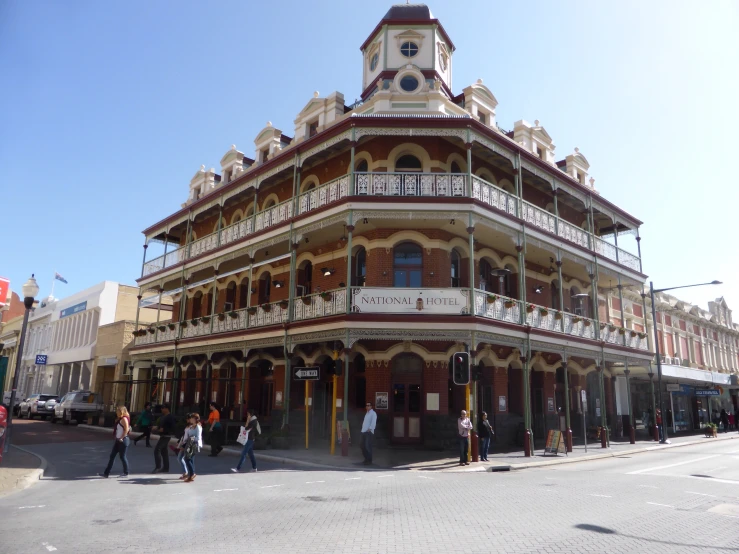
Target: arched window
(456,265)
(408,163)
(360,268)
(230,297)
(455,168)
(407,265)
(265,286)
(243,292)
(362,166)
(487,280)
(197,304)
(305,279)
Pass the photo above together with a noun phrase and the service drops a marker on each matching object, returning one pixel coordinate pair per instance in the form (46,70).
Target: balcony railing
(399,301)
(399,185)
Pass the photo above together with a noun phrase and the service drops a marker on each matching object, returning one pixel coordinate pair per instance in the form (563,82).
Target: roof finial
(577,150)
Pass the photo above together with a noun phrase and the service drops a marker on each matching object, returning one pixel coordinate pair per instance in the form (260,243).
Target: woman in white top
(190,444)
(120,431)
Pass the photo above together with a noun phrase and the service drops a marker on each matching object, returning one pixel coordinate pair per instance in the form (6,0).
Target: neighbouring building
(10,332)
(377,240)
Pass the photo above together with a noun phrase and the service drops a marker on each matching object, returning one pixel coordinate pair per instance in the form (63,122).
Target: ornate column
(594,294)
(632,431)
(621,301)
(655,433)
(521,282)
(220,224)
(352,184)
(603,422)
(469,167)
(350,233)
(638,249)
(471,269)
(528,437)
(556,215)
(143,262)
(159,310)
(214,295)
(568,430)
(561,288)
(291,291)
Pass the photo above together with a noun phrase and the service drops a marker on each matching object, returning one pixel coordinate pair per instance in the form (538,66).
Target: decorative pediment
(409,35)
(269,132)
(232,155)
(312,105)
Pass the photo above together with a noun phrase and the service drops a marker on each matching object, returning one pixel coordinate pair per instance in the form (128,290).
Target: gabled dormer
(318,114)
(576,166)
(480,103)
(233,164)
(269,142)
(407,35)
(535,139)
(201,184)
(721,312)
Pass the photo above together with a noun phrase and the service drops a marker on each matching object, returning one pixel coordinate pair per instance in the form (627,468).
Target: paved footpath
(678,500)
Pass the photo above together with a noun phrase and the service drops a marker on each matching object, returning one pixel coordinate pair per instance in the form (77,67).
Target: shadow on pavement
(607,531)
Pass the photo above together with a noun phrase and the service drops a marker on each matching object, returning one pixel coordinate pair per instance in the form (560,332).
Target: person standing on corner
(463,429)
(214,430)
(485,432)
(165,430)
(368,433)
(120,432)
(724,419)
(144,422)
(252,430)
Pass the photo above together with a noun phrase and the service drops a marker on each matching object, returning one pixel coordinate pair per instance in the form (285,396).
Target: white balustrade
(323,195)
(237,231)
(540,317)
(268,314)
(493,196)
(320,304)
(579,326)
(497,307)
(539,218)
(230,321)
(574,234)
(410,184)
(199,328)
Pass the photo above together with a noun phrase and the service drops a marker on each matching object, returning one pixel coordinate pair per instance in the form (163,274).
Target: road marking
(424,477)
(352,479)
(270,486)
(648,486)
(638,471)
(601,495)
(734,452)
(221,490)
(700,494)
(29,507)
(716,469)
(311,482)
(48,546)
(663,505)
(381,476)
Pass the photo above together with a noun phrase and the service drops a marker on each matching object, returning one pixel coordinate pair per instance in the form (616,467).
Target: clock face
(442,61)
(374,61)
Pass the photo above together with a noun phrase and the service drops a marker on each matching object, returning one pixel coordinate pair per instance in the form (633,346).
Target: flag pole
(53,282)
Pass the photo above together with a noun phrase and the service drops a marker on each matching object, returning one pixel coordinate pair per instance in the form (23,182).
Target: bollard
(527,443)
(474,447)
(604,437)
(344,442)
(568,440)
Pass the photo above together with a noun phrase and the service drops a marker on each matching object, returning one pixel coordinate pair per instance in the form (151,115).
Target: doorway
(406,399)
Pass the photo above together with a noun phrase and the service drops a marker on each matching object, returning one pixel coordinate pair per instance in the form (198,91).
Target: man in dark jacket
(485,432)
(165,430)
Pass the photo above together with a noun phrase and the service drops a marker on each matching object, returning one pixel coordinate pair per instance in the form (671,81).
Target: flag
(60,278)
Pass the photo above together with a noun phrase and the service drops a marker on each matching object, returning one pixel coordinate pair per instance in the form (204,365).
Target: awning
(697,375)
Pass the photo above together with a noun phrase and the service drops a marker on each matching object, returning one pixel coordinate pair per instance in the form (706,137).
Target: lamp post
(663,439)
(30,290)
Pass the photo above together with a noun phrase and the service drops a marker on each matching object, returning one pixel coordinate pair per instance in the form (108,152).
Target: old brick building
(382,237)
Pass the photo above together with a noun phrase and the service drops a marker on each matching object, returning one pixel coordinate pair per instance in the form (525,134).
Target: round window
(409,83)
(409,49)
(442,61)
(373,62)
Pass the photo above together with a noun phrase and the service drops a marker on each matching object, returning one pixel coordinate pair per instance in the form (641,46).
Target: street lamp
(656,349)
(30,290)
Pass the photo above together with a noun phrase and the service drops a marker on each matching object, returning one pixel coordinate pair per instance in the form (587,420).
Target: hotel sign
(410,301)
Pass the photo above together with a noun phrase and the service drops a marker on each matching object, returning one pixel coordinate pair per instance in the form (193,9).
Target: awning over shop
(697,375)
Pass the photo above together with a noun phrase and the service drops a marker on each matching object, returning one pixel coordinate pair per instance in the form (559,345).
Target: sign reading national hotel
(407,301)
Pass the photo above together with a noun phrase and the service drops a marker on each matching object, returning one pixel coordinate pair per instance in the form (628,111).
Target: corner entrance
(406,399)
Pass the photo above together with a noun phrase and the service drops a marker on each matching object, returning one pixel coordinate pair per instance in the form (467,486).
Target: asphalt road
(676,500)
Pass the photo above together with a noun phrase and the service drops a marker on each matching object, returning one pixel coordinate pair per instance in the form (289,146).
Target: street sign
(307,373)
(707,392)
(584,398)
(40,359)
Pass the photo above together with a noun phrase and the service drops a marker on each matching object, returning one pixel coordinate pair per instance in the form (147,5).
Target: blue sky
(110,108)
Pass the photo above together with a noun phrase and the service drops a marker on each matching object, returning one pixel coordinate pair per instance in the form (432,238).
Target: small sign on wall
(501,403)
(550,404)
(182,397)
(432,401)
(166,396)
(338,402)
(381,400)
(278,398)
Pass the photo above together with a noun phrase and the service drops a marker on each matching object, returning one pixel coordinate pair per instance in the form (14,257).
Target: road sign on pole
(307,373)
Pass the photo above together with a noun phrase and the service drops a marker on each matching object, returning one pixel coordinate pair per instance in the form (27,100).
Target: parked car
(35,405)
(50,405)
(77,406)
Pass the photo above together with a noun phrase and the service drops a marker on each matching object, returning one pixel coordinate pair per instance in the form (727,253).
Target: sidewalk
(318,455)
(19,470)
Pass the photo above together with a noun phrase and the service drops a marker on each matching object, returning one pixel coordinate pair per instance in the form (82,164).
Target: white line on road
(270,486)
(381,476)
(311,482)
(671,465)
(29,507)
(700,494)
(48,546)
(648,486)
(424,477)
(221,490)
(601,495)
(663,505)
(352,479)
(716,469)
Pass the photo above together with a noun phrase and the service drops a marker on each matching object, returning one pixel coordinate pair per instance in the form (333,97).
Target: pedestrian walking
(724,419)
(660,429)
(121,428)
(190,444)
(463,431)
(165,430)
(368,433)
(215,431)
(486,433)
(143,422)
(253,429)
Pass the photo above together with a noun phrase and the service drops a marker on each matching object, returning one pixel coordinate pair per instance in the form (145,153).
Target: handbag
(190,447)
(243,435)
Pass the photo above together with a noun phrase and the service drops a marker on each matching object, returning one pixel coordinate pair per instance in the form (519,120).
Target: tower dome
(414,12)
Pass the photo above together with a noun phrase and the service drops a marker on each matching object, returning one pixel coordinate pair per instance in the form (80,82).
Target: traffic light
(477,371)
(461,368)
(332,367)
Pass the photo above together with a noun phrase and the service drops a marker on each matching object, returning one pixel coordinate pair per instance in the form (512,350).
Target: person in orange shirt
(215,430)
